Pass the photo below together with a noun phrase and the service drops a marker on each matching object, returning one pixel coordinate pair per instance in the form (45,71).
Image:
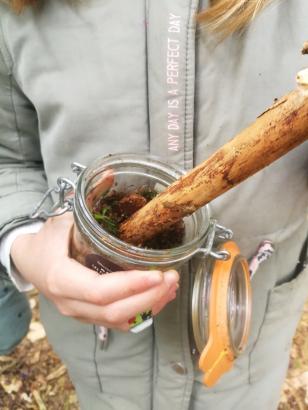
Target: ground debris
(33,377)
(295,390)
(57,373)
(39,400)
(36,332)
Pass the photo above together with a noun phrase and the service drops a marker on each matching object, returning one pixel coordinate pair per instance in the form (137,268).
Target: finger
(115,314)
(58,234)
(124,327)
(164,300)
(69,279)
(125,309)
(101,186)
(92,314)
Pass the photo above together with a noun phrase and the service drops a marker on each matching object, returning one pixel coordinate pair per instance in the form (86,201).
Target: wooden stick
(274,133)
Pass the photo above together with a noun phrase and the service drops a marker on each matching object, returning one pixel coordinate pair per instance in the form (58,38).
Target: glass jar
(95,248)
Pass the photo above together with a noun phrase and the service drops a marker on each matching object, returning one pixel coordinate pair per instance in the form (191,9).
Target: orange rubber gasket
(218,355)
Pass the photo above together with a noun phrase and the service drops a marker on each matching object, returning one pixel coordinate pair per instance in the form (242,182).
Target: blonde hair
(225,17)
(222,17)
(19,5)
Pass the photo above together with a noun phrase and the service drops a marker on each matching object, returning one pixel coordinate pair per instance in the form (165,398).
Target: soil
(114,208)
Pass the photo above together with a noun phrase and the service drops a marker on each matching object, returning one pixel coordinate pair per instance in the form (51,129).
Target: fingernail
(171,277)
(155,277)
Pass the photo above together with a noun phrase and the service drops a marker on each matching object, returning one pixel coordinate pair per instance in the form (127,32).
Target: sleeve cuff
(5,251)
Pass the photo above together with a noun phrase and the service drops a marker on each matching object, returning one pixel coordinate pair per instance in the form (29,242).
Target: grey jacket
(117,76)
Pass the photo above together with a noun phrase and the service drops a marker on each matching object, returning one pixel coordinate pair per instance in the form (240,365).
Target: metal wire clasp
(65,189)
(216,232)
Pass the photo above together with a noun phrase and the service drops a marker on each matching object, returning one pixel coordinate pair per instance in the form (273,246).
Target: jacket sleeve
(22,177)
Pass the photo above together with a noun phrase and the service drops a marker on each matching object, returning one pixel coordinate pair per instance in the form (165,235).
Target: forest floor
(33,377)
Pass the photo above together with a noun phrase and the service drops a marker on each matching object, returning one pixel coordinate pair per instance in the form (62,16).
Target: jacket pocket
(270,353)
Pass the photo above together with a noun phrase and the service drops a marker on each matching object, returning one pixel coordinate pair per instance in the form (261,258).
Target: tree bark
(275,132)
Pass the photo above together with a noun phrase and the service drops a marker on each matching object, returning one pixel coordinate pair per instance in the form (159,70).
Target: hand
(109,300)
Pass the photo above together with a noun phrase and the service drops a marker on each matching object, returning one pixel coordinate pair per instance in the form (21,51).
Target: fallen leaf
(284,396)
(72,399)
(39,400)
(299,400)
(57,373)
(11,387)
(5,359)
(36,332)
(25,397)
(33,303)
(35,358)
(7,366)
(304,379)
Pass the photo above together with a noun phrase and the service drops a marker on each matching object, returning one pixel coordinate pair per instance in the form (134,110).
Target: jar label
(100,264)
